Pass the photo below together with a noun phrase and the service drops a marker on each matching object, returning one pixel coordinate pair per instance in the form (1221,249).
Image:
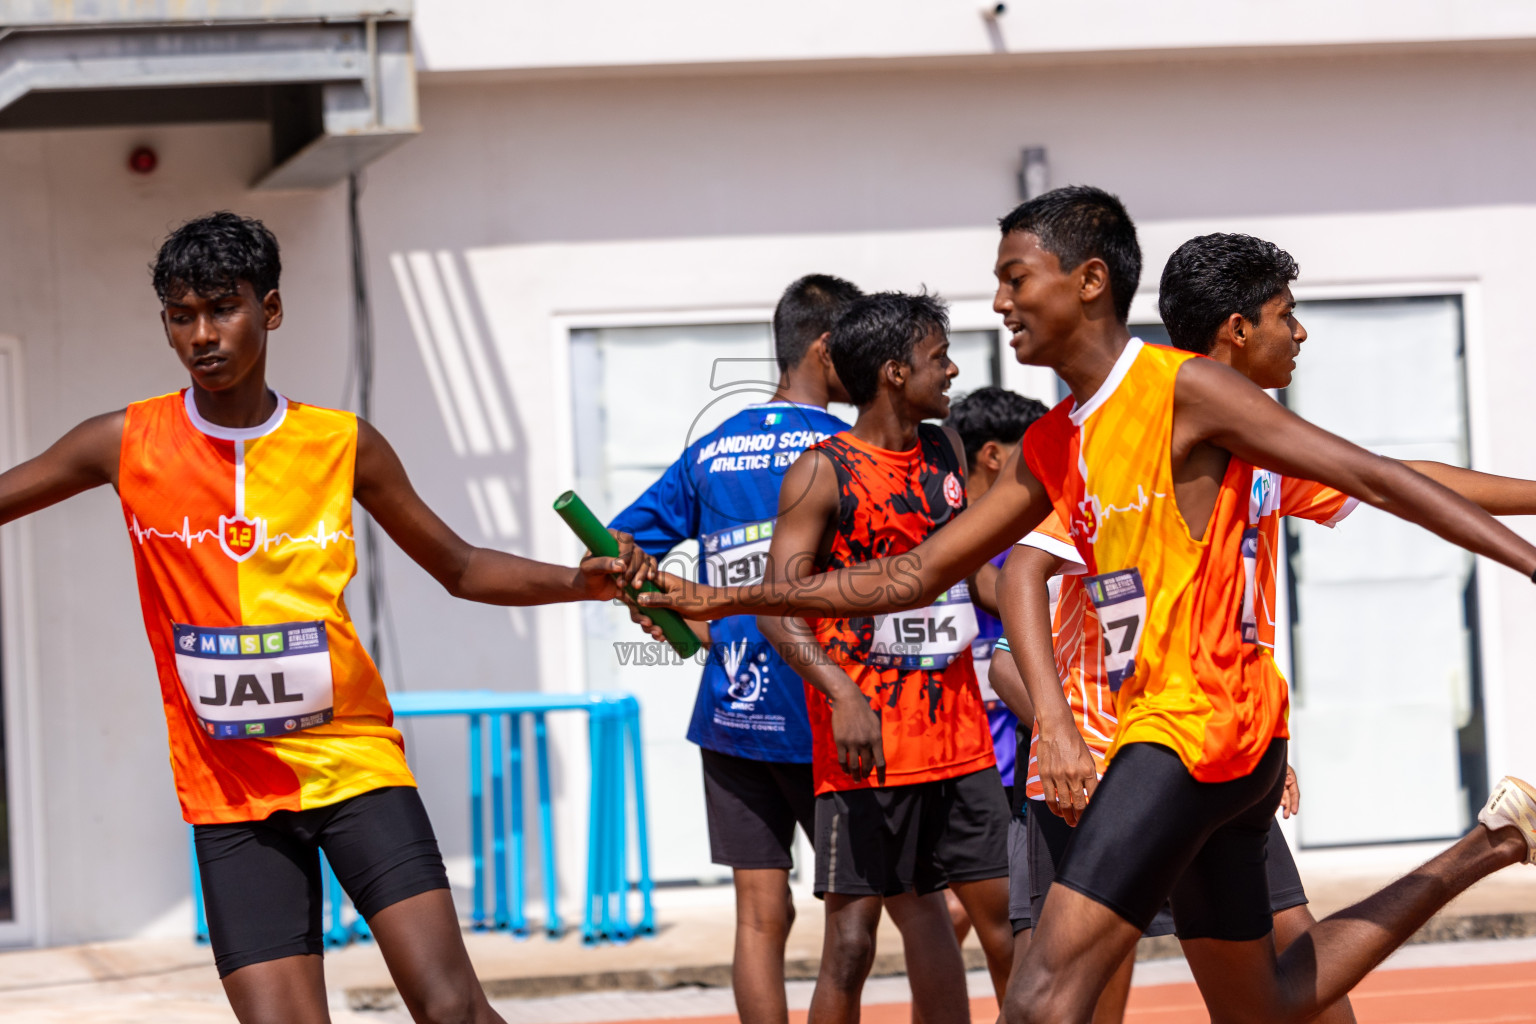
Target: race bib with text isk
(256,681)
(926,638)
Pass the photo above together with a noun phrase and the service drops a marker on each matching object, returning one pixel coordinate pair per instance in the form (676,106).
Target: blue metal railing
(616,813)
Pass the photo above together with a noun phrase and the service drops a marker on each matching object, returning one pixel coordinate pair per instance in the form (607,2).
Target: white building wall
(468,35)
(558,202)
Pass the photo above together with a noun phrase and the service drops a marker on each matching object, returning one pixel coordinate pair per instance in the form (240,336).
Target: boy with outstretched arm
(1226,296)
(932,812)
(1148,465)
(1077,720)
(238,507)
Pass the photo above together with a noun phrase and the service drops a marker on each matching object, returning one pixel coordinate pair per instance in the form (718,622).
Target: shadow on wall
(450,410)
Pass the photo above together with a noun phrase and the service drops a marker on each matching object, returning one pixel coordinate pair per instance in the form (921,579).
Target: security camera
(994,11)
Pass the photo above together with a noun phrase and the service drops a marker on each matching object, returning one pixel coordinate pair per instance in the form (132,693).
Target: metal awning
(336,80)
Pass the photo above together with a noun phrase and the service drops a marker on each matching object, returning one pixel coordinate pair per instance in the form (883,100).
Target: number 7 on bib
(1121,602)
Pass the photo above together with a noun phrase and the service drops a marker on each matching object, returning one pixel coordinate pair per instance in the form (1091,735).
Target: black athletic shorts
(752,807)
(1152,833)
(261,879)
(1020,913)
(885,841)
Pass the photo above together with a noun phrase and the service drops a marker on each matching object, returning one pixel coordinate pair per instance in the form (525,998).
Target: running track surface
(1482,994)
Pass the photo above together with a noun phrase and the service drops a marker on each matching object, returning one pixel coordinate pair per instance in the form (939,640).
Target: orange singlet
(1079,645)
(914,667)
(242,541)
(1171,607)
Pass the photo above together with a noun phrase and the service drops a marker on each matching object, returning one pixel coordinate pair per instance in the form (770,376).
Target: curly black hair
(992,414)
(877,329)
(211,255)
(1210,277)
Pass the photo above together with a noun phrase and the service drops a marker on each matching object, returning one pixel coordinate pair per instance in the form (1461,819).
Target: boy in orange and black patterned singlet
(926,809)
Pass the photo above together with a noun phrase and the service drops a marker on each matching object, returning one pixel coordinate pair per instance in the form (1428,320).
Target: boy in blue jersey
(749,719)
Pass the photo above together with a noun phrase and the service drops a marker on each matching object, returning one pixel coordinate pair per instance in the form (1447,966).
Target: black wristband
(1533,575)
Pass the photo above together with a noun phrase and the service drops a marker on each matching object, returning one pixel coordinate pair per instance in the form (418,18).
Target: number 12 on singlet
(1121,602)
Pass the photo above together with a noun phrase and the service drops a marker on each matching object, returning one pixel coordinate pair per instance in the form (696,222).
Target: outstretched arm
(1015,505)
(474,573)
(1067,772)
(85,457)
(984,588)
(1218,405)
(1496,495)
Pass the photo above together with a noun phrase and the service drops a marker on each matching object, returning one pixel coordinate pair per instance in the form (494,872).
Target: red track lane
(1483,994)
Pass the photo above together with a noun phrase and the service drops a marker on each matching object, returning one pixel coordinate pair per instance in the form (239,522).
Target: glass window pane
(975,352)
(1394,718)
(1152,334)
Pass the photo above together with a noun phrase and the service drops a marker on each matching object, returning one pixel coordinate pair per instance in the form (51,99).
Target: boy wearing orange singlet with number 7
(238,505)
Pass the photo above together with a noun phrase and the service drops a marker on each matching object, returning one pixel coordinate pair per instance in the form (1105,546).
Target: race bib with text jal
(256,681)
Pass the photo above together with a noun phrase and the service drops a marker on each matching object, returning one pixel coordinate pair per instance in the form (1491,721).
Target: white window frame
(19,653)
(964,314)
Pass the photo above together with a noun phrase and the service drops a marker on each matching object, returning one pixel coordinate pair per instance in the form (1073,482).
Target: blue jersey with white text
(724,492)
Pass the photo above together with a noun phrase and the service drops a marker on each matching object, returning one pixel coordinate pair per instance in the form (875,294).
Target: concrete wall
(462,35)
(557,203)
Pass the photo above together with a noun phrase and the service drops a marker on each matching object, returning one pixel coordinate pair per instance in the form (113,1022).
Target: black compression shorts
(1048,837)
(1153,833)
(261,879)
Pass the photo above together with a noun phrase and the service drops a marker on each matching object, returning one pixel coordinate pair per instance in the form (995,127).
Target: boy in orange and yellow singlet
(1149,465)
(238,505)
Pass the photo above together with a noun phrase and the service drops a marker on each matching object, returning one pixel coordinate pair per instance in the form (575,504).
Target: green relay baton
(600,542)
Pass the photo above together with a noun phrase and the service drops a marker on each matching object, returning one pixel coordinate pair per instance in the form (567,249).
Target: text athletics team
(1116,772)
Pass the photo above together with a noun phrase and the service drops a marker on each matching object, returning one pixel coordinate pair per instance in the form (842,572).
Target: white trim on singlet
(1117,373)
(1341,514)
(1059,548)
(235,433)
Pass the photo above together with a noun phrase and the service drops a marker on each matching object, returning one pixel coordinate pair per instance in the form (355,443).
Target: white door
(644,394)
(16,925)
(1383,684)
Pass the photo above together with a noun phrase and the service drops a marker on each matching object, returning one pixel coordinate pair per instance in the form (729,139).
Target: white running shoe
(1513,804)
